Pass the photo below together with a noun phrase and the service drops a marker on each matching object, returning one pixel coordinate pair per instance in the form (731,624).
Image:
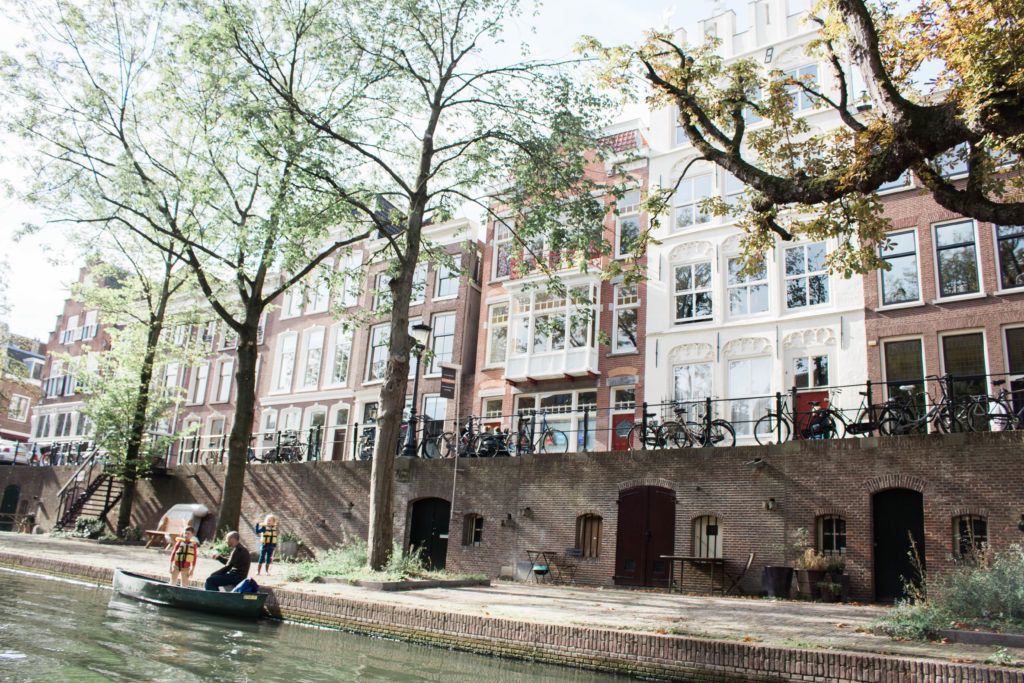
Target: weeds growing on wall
(348,561)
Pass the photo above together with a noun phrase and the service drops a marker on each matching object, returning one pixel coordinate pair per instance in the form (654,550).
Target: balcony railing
(574,362)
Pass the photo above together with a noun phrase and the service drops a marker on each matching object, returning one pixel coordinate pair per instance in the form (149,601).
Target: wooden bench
(168,527)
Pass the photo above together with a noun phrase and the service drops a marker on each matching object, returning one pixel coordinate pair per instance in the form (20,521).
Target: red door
(645,532)
(803,409)
(621,425)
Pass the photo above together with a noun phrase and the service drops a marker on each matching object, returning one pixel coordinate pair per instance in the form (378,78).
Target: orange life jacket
(268,536)
(184,551)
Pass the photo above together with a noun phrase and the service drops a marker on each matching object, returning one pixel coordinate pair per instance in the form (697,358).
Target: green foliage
(987,593)
(215,547)
(88,527)
(349,561)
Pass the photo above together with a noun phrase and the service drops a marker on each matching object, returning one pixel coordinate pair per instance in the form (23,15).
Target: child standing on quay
(183,558)
(268,541)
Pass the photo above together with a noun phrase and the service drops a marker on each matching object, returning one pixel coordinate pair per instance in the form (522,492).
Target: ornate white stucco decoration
(820,336)
(691,251)
(731,245)
(747,346)
(689,353)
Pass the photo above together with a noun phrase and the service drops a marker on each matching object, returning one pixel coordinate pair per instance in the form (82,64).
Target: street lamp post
(419,332)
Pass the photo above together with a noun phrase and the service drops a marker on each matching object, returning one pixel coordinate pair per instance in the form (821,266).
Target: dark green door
(9,506)
(898,519)
(429,530)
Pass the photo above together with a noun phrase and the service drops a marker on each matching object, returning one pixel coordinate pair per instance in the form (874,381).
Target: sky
(41,268)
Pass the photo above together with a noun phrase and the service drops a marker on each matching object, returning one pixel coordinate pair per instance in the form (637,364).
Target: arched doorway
(646,530)
(898,519)
(9,507)
(429,530)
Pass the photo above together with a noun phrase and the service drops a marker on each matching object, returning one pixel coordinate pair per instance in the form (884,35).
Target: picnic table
(683,560)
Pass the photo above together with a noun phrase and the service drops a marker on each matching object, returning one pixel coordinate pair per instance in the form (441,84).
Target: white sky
(42,267)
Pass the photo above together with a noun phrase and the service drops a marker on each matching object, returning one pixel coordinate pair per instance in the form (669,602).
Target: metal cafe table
(714,562)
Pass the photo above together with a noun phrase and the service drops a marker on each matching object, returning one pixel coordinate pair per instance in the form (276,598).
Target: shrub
(812,561)
(986,593)
(88,527)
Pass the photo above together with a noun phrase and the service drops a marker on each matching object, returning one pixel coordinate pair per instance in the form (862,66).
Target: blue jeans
(216,581)
(266,553)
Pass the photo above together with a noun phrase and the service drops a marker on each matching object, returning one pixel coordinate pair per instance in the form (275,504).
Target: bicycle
(998,412)
(288,449)
(548,439)
(903,414)
(651,435)
(822,423)
(704,433)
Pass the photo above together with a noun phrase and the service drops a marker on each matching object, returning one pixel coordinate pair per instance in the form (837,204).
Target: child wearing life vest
(183,558)
(267,533)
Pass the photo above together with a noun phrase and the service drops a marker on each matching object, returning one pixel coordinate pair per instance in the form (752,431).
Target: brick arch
(825,511)
(647,481)
(962,510)
(707,513)
(896,481)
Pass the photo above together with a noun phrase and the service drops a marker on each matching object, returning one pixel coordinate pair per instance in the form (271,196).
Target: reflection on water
(55,631)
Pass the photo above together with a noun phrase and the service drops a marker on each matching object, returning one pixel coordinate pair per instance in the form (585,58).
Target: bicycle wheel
(636,439)
(672,434)
(554,441)
(444,443)
(770,430)
(720,434)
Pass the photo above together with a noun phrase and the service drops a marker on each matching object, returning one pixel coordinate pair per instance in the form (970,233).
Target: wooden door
(645,531)
(621,424)
(429,530)
(898,517)
(9,507)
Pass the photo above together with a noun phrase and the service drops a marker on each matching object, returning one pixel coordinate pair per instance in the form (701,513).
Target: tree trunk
(130,474)
(392,401)
(241,429)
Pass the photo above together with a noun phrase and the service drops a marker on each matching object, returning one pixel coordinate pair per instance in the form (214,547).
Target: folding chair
(736,578)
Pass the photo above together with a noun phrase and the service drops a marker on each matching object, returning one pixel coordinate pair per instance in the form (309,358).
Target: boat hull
(159,592)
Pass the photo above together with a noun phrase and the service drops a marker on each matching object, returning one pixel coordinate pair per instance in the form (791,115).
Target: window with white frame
(963,357)
(749,385)
(447,284)
(691,382)
(286,361)
(900,282)
(810,371)
(91,325)
(377,357)
(1014,337)
(419,285)
(341,354)
(747,287)
(352,276)
(492,407)
(624,398)
(502,266)
(229,339)
(953,162)
(170,377)
(902,181)
(956,257)
(381,291)
(808,75)
(197,389)
(269,422)
(732,189)
(442,340)
(625,323)
(318,294)
(64,422)
(227,368)
(691,292)
(314,357)
(806,275)
(627,223)
(70,330)
(43,426)
(497,333)
(543,321)
(17,407)
(707,537)
(688,200)
(1010,253)
(208,335)
(293,300)
(565,411)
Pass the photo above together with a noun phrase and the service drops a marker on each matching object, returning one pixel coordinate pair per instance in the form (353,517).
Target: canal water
(57,631)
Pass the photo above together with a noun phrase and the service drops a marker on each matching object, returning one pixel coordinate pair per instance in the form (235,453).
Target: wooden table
(542,557)
(693,559)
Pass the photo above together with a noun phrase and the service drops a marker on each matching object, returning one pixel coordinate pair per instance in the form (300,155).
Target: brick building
(587,388)
(952,301)
(21,372)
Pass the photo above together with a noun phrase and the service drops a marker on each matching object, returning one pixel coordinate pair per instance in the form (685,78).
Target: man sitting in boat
(183,558)
(236,566)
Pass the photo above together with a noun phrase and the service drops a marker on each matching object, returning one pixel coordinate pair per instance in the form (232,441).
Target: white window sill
(493,367)
(450,297)
(801,309)
(691,323)
(1009,291)
(897,307)
(959,297)
(615,354)
(278,392)
(431,375)
(373,382)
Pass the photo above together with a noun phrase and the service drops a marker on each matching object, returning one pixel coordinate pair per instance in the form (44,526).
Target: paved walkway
(776,622)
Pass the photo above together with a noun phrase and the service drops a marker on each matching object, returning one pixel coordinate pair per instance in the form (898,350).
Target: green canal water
(57,631)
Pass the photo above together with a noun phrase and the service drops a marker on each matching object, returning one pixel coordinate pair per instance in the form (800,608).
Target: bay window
(543,322)
(497,334)
(691,290)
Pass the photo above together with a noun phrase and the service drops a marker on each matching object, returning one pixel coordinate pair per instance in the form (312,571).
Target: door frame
(441,537)
(921,542)
(646,571)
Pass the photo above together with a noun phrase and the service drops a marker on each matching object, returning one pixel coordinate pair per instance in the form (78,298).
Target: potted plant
(838,580)
(288,545)
(829,591)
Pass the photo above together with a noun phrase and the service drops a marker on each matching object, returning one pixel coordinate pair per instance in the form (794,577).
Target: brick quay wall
(533,502)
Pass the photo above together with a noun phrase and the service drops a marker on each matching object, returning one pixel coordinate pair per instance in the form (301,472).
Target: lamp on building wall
(419,332)
(769,504)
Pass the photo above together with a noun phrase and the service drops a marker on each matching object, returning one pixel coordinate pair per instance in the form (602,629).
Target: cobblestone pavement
(775,622)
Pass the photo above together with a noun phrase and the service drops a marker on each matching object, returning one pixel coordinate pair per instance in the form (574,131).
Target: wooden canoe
(160,592)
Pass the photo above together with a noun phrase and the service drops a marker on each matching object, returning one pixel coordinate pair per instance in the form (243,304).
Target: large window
(900,283)
(904,372)
(802,100)
(588,535)
(625,323)
(732,189)
(1015,350)
(810,371)
(352,276)
(286,362)
(197,389)
(806,275)
(749,385)
(963,357)
(341,356)
(565,411)
(627,223)
(691,290)
(748,291)
(543,322)
(956,258)
(318,294)
(91,325)
(502,266)
(970,536)
(292,305)
(447,285)
(688,200)
(17,408)
(707,537)
(902,181)
(314,356)
(691,382)
(419,285)
(497,334)
(381,292)
(227,368)
(43,426)
(442,342)
(377,360)
(1010,248)
(831,535)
